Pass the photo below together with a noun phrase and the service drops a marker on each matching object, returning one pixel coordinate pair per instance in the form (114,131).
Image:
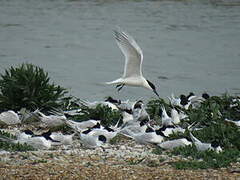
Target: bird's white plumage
(203,146)
(166,120)
(132,52)
(132,74)
(175,143)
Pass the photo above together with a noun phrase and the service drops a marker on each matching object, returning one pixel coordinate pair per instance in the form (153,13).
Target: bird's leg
(117,86)
(120,86)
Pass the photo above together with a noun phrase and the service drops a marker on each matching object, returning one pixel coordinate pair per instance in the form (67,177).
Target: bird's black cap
(184,100)
(149,130)
(214,144)
(205,95)
(159,132)
(87,131)
(144,121)
(97,126)
(102,138)
(29,132)
(190,94)
(129,111)
(111,100)
(109,129)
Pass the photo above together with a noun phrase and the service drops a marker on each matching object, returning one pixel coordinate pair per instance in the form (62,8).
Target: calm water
(187,45)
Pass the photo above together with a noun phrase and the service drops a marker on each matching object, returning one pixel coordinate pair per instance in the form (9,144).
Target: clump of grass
(152,163)
(6,134)
(15,147)
(70,103)
(28,86)
(157,150)
(154,106)
(205,159)
(107,116)
(133,161)
(63,128)
(7,146)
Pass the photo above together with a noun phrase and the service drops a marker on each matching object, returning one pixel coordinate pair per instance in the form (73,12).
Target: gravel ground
(124,160)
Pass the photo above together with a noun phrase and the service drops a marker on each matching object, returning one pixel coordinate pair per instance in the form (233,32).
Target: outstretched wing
(132,52)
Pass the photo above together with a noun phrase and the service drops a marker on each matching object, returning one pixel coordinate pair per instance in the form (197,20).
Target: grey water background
(187,45)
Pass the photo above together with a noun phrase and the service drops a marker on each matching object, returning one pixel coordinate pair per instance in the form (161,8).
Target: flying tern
(132,75)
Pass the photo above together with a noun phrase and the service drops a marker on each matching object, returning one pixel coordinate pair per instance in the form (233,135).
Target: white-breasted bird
(9,118)
(205,146)
(108,133)
(132,75)
(175,116)
(37,142)
(94,104)
(237,123)
(175,143)
(51,120)
(166,120)
(139,112)
(65,139)
(91,141)
(78,126)
(149,136)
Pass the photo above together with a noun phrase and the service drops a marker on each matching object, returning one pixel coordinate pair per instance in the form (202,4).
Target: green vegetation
(134,161)
(210,119)
(205,159)
(107,116)
(7,146)
(28,86)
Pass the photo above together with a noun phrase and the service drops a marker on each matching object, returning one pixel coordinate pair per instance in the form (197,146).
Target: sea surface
(187,45)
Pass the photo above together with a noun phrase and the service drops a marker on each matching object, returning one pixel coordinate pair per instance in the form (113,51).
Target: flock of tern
(136,122)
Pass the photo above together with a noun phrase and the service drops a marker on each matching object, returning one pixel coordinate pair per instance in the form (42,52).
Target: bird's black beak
(156,92)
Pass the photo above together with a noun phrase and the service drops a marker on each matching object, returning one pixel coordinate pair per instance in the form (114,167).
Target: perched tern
(51,120)
(108,133)
(78,126)
(175,116)
(148,137)
(170,129)
(37,142)
(91,141)
(140,113)
(205,146)
(237,123)
(9,118)
(63,139)
(132,75)
(94,104)
(166,120)
(174,143)
(133,127)
(174,101)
